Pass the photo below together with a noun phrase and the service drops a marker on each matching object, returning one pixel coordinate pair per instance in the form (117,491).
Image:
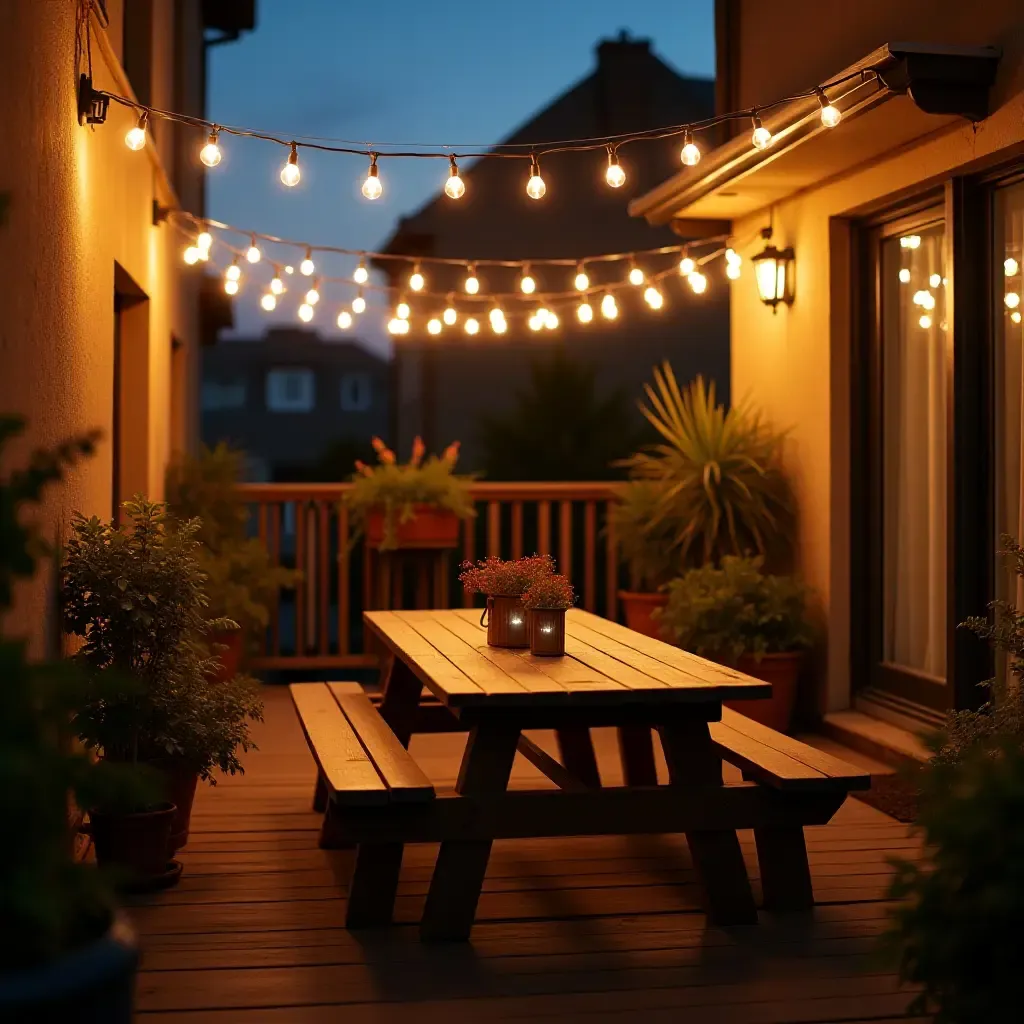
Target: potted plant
(64,953)
(504,583)
(740,616)
(417,504)
(242,583)
(546,601)
(714,486)
(134,594)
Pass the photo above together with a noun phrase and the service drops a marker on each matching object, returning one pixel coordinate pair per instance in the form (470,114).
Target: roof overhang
(898,93)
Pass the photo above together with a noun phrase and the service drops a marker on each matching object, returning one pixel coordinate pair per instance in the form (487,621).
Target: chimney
(624,84)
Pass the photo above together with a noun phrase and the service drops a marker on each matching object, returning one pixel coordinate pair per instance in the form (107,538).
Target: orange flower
(419,449)
(362,467)
(378,444)
(451,453)
(386,456)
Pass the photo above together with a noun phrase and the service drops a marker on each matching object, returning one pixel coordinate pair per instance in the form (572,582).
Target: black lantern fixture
(773,271)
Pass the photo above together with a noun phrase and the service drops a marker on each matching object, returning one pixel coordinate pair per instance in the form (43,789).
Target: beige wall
(796,364)
(80,203)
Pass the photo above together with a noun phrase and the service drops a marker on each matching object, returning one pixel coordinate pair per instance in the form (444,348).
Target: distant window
(356,395)
(217,395)
(290,390)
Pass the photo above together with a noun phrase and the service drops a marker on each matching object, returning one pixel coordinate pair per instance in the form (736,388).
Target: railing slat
(611,567)
(494,529)
(544,528)
(589,553)
(344,566)
(300,590)
(323,540)
(275,557)
(517,529)
(468,554)
(565,538)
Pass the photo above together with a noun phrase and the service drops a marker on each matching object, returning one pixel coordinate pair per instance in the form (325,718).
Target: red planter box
(429,528)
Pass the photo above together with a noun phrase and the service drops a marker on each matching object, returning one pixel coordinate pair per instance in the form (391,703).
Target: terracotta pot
(547,632)
(135,844)
(180,789)
(430,527)
(228,652)
(782,671)
(505,619)
(637,607)
(94,984)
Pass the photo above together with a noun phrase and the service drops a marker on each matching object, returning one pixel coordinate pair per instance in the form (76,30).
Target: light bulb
(192,255)
(233,273)
(204,240)
(395,326)
(761,137)
(268,301)
(372,188)
(454,187)
(344,320)
(687,266)
(402,310)
(277,285)
(527,285)
(361,275)
(472,282)
(904,276)
(910,242)
(307,266)
(305,312)
(732,271)
(551,320)
(496,314)
(1015,316)
(449,316)
(698,282)
(536,322)
(830,115)
(1010,266)
(136,137)
(210,153)
(472,325)
(614,175)
(499,326)
(312,296)
(732,256)
(231,287)
(653,297)
(935,280)
(433,324)
(1012,300)
(253,253)
(609,308)
(289,269)
(690,153)
(535,187)
(359,304)
(417,280)
(925,321)
(636,275)
(584,313)
(290,173)
(582,281)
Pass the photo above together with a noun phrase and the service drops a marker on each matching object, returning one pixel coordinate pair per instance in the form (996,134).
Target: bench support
(374,883)
(576,749)
(785,871)
(320,794)
(636,750)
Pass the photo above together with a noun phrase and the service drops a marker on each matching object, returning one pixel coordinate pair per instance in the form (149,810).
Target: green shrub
(644,535)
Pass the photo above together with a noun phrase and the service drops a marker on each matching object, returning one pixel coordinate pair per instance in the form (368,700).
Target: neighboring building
(100,321)
(899,367)
(443,385)
(294,402)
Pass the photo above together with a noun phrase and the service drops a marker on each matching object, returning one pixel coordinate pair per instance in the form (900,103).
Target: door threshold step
(881,740)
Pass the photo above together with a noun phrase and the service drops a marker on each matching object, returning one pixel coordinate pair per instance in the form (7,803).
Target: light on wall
(773,271)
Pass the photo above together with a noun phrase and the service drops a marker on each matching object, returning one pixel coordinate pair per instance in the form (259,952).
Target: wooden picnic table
(610,676)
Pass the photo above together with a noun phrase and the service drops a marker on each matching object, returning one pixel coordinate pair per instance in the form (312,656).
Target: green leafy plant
(551,591)
(396,489)
(723,489)
(736,609)
(135,595)
(645,535)
(496,577)
(242,582)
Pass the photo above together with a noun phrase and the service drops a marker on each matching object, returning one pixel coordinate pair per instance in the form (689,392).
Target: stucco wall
(79,203)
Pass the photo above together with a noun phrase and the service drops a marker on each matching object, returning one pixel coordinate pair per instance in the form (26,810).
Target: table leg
(459,874)
(636,749)
(693,761)
(785,871)
(576,750)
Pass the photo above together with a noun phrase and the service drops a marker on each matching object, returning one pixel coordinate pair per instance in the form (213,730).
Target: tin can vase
(547,632)
(505,619)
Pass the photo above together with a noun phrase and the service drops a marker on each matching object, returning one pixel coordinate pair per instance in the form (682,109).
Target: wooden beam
(553,769)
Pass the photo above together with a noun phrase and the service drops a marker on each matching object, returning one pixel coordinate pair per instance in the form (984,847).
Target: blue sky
(401,70)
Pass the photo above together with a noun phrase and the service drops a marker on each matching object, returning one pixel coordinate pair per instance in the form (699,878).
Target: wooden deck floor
(607,929)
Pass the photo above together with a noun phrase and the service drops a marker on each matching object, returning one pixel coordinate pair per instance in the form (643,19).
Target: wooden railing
(318,624)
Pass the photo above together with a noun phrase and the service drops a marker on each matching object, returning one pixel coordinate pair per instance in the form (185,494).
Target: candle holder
(547,632)
(506,622)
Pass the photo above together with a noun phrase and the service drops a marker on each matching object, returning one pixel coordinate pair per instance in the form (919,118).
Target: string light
(535,187)
(472,282)
(904,276)
(433,324)
(527,285)
(1010,267)
(687,266)
(204,240)
(830,115)
(253,253)
(582,281)
(402,310)
(449,316)
(551,320)
(289,269)
(231,286)
(653,297)
(276,285)
(935,280)
(536,322)
(416,279)
(1015,316)
(614,175)
(396,326)
(925,321)
(733,262)
(136,137)
(698,282)
(192,255)
(307,266)
(584,313)
(1012,300)
(210,153)
(910,242)
(268,301)
(499,326)
(361,275)
(472,325)
(636,275)
(359,303)
(454,187)
(234,272)
(690,153)
(372,188)
(344,320)
(761,137)
(609,308)
(290,173)
(313,295)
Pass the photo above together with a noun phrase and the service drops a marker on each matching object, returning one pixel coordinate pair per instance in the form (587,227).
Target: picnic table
(610,676)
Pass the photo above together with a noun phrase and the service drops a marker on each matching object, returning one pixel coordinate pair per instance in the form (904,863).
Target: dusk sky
(400,71)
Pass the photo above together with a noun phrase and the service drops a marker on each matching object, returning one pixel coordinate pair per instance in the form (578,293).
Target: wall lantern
(773,271)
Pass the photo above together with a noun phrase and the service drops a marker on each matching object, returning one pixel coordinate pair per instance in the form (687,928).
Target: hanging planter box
(547,632)
(506,622)
(430,527)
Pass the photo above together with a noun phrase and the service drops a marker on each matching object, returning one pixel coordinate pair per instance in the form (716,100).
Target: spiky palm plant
(724,491)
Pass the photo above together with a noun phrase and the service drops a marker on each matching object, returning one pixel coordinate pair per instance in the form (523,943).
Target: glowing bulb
(732,271)
(231,286)
(527,285)
(536,322)
(582,281)
(269,301)
(904,276)
(636,275)
(698,282)
(312,296)
(290,173)
(609,308)
(535,187)
(307,266)
(1010,266)
(344,319)
(1015,316)
(830,115)
(372,188)
(910,242)
(499,326)
(472,282)
(472,325)
(454,187)
(204,240)
(361,275)
(395,325)
(653,297)
(584,313)
(690,153)
(359,304)
(925,321)
(732,256)
(277,286)
(402,310)
(434,325)
(1012,300)
(192,255)
(289,269)
(233,273)
(210,153)
(761,137)
(449,316)
(614,175)
(935,280)
(305,312)
(496,314)
(136,137)
(551,320)
(417,280)
(687,266)
(253,253)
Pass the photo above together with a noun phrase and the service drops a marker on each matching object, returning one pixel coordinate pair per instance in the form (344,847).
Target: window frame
(278,403)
